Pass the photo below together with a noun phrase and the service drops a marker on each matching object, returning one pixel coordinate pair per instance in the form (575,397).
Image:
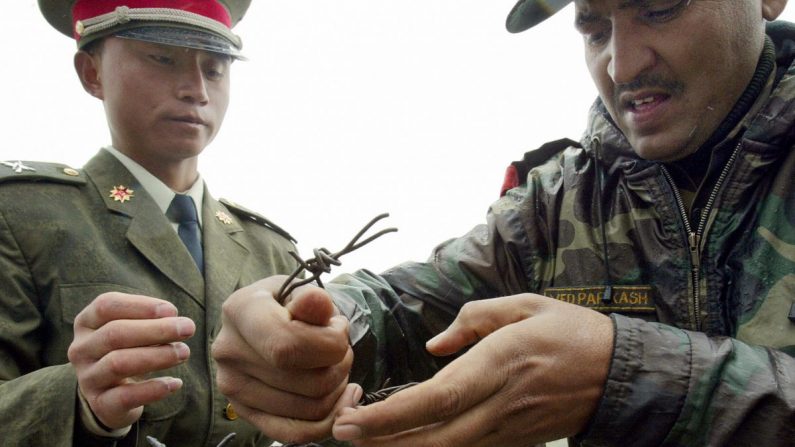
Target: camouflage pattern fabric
(700,359)
(63,241)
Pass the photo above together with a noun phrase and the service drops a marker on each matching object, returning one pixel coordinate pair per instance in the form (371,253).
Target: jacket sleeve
(37,403)
(672,387)
(666,386)
(31,397)
(393,314)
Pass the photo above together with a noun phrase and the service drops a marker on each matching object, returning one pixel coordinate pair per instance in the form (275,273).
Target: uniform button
(71,172)
(79,28)
(229,412)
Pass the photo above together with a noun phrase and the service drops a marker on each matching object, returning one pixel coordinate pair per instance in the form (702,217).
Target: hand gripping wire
(324,259)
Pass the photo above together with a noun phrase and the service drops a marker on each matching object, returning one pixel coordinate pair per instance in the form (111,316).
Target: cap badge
(223,217)
(18,166)
(121,193)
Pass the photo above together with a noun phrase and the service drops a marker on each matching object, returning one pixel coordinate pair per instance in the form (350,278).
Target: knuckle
(228,385)
(229,306)
(74,353)
(103,304)
(219,350)
(320,411)
(113,335)
(468,311)
(116,365)
(452,401)
(283,353)
(325,384)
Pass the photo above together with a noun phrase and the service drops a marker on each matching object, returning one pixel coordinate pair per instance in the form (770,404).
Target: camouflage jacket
(705,331)
(63,241)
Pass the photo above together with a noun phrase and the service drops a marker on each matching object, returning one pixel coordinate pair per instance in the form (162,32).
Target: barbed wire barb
(324,259)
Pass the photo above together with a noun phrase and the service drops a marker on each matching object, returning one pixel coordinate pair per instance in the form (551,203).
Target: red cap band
(87,9)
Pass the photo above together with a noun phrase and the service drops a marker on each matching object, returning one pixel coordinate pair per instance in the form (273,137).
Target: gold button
(229,412)
(79,27)
(70,171)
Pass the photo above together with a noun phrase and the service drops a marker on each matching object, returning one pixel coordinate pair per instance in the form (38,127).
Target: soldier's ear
(87,68)
(771,9)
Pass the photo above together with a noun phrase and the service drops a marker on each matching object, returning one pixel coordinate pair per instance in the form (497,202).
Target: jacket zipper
(694,238)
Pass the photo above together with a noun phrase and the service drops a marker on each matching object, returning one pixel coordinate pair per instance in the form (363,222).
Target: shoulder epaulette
(247,214)
(36,171)
(516,174)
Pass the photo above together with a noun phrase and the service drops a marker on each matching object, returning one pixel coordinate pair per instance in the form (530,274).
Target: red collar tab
(88,9)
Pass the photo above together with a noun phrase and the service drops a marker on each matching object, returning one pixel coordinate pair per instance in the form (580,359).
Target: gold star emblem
(223,217)
(121,193)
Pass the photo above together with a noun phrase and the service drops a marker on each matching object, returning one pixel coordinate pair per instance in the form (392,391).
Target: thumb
(478,319)
(311,305)
(452,339)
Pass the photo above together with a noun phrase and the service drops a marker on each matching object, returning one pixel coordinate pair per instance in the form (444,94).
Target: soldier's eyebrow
(587,16)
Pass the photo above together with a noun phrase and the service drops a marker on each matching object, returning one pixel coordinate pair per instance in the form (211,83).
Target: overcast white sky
(346,109)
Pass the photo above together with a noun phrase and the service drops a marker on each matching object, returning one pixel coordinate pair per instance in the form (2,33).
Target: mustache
(648,81)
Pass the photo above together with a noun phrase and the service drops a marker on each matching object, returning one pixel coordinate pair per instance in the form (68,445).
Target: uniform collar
(159,191)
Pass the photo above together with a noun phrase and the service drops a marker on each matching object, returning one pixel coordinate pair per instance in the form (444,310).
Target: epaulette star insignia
(121,193)
(223,217)
(17,166)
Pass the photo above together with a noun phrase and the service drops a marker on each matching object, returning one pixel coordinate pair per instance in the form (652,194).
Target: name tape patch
(625,299)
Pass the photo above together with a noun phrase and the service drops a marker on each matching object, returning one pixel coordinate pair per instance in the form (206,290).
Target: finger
(255,394)
(114,368)
(478,319)
(311,383)
(116,407)
(486,424)
(281,346)
(281,342)
(462,384)
(124,334)
(116,306)
(474,428)
(298,431)
(311,305)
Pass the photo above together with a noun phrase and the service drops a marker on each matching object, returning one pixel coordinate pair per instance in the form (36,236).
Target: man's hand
(284,366)
(118,339)
(535,374)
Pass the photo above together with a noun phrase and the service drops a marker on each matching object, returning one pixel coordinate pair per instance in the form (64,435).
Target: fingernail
(357,396)
(434,339)
(182,350)
(184,327)
(346,432)
(165,310)
(172,383)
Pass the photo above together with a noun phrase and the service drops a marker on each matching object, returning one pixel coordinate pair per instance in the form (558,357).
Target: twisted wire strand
(367,399)
(155,443)
(324,259)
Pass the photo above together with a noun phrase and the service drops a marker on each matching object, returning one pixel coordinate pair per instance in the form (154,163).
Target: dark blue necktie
(183,211)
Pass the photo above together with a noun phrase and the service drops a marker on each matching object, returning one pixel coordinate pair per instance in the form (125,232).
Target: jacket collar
(150,232)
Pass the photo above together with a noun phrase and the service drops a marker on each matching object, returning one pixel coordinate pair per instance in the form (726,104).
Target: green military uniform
(64,240)
(703,306)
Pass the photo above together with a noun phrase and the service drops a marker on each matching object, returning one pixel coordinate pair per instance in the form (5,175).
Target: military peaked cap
(204,25)
(529,13)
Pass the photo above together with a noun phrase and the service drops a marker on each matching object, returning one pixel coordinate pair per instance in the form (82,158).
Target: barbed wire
(324,259)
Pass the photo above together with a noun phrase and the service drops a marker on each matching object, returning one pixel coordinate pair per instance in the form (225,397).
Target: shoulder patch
(516,174)
(247,214)
(36,171)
